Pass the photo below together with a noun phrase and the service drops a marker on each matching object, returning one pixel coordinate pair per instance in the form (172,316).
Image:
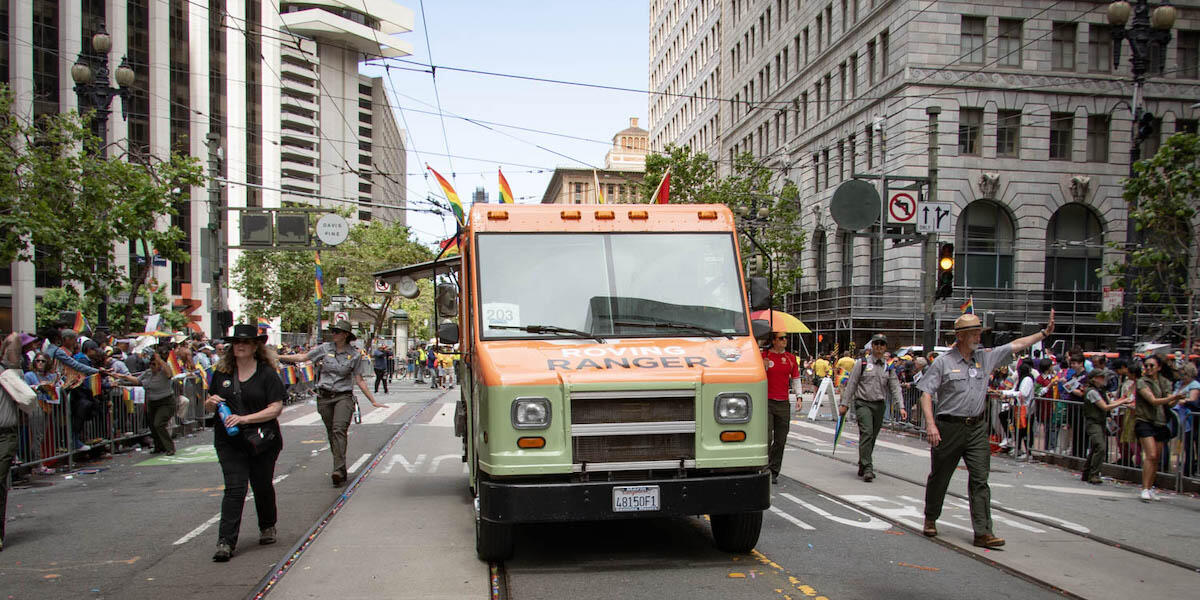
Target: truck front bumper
(590,501)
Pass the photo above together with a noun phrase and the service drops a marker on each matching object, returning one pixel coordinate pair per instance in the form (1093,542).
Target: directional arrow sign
(934,217)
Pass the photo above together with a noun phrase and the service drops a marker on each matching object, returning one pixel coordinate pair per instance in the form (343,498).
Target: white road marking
(380,415)
(191,535)
(358,463)
(791,519)
(996,517)
(878,442)
(321,449)
(312,418)
(409,467)
(871,523)
(1078,491)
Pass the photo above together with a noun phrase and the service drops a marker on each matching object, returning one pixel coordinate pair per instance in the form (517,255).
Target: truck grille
(638,428)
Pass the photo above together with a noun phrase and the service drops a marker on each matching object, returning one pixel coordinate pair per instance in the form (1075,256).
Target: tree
(374,246)
(63,197)
(122,319)
(1163,269)
(771,217)
(278,283)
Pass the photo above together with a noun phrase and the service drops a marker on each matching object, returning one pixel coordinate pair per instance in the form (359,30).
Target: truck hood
(642,360)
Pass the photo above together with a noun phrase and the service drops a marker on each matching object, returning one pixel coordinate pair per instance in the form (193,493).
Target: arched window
(1074,248)
(983,247)
(821,256)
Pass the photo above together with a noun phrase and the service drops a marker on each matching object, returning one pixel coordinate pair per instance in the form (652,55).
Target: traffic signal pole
(929,248)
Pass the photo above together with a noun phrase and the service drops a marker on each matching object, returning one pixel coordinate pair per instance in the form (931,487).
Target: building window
(970,124)
(883,54)
(1008,133)
(821,257)
(1187,126)
(1008,43)
(854,75)
(984,246)
(1099,50)
(847,258)
(1097,138)
(578,197)
(871,63)
(820,28)
(1074,248)
(876,262)
(1152,142)
(816,172)
(1061,125)
(971,39)
(870,151)
(1188,55)
(1062,47)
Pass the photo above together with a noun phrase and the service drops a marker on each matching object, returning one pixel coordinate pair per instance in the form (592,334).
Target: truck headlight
(530,413)
(732,407)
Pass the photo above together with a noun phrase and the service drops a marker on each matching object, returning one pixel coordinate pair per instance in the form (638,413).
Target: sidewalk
(1048,514)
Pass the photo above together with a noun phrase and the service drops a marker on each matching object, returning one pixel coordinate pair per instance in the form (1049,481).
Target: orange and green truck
(609,370)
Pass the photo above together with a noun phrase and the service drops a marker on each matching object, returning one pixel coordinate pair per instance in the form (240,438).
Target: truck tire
(494,541)
(738,532)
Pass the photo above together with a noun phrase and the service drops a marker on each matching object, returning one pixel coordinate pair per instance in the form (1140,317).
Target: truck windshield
(614,284)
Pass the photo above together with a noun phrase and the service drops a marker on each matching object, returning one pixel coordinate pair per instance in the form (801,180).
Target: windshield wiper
(549,329)
(674,325)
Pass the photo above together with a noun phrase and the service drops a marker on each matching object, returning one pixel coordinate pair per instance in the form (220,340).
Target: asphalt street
(138,526)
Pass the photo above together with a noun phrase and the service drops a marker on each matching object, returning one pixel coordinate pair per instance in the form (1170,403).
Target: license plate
(635,498)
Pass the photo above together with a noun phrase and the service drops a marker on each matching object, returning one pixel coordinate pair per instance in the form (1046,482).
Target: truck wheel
(738,532)
(494,541)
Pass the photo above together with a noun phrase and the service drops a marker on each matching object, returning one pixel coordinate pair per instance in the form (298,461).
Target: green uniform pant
(159,413)
(8,449)
(870,419)
(969,443)
(1095,450)
(336,413)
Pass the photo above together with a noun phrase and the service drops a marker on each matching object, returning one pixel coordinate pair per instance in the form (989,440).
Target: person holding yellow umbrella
(783,373)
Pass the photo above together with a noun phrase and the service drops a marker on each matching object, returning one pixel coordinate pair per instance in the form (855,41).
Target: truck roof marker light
(733,436)
(537,442)
(639,215)
(707,215)
(605,215)
(570,215)
(497,215)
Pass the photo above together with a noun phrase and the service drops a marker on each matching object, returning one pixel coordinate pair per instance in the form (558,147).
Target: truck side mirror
(448,333)
(760,293)
(761,328)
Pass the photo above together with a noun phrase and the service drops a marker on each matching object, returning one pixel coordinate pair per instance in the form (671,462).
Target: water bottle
(224,412)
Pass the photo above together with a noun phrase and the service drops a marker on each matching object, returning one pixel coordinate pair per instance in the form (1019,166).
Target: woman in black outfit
(246,378)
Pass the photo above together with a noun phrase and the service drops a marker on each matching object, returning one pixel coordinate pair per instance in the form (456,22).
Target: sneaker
(267,536)
(83,448)
(1154,494)
(223,553)
(1147,496)
(44,471)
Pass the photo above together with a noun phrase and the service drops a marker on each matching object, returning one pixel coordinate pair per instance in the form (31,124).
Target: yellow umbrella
(781,321)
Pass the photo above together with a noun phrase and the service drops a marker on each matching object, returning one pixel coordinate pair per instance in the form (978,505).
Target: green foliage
(55,301)
(123,318)
(747,191)
(1161,269)
(71,203)
(278,283)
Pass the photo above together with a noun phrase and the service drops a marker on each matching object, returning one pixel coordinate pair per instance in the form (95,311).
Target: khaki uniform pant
(870,419)
(8,449)
(159,413)
(969,443)
(1095,449)
(336,413)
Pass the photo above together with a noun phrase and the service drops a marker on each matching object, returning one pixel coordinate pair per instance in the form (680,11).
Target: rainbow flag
(451,195)
(599,190)
(449,246)
(506,196)
(93,384)
(263,323)
(968,307)
(307,372)
(662,195)
(81,323)
(320,279)
(843,378)
(174,364)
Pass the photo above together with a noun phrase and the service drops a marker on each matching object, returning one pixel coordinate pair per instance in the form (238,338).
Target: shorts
(1144,429)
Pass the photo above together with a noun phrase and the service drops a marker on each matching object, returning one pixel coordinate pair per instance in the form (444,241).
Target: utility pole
(929,248)
(216,219)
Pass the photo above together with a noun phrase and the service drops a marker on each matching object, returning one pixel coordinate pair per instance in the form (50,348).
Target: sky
(592,42)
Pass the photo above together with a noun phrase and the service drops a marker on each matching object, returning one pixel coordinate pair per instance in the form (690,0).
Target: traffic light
(945,274)
(1146,126)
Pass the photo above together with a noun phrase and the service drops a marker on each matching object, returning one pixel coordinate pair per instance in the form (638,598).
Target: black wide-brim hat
(245,331)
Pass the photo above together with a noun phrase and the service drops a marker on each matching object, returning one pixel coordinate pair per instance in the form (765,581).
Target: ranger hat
(967,322)
(879,337)
(1105,373)
(345,326)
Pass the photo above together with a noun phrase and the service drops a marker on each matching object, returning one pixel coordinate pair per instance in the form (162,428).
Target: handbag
(259,439)
(14,383)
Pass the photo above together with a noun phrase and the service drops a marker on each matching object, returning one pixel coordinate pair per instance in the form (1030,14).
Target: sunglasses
(40,360)
(248,342)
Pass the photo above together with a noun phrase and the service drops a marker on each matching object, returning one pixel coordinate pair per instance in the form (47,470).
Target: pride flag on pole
(506,196)
(968,307)
(449,246)
(451,195)
(662,195)
(319,282)
(263,323)
(81,323)
(173,362)
(599,190)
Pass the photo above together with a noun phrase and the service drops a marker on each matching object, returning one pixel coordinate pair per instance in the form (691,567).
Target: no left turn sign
(902,208)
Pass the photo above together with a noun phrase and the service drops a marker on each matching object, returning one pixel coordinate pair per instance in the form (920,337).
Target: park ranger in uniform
(872,383)
(959,378)
(340,365)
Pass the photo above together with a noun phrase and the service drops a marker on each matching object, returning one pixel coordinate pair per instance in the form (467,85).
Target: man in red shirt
(783,373)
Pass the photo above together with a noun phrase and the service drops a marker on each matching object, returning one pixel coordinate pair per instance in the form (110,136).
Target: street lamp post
(1148,36)
(90,73)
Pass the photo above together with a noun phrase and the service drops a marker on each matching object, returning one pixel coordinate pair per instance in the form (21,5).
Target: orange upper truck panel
(599,218)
